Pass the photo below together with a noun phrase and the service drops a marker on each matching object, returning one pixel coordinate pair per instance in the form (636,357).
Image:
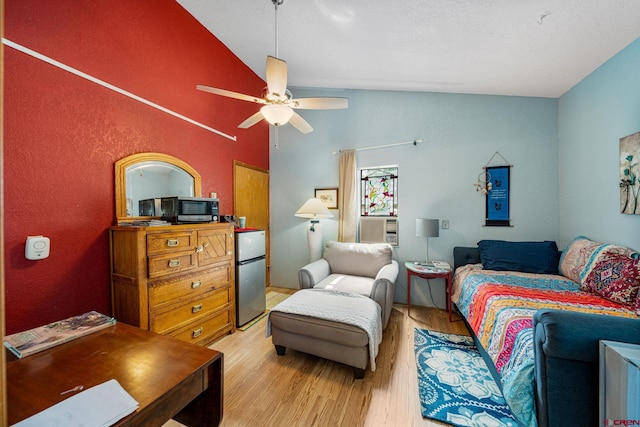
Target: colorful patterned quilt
(499,307)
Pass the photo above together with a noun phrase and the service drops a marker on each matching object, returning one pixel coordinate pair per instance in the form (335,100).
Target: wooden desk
(415,270)
(169,378)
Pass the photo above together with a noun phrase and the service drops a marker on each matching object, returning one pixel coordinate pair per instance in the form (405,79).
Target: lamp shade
(314,208)
(427,227)
(276,114)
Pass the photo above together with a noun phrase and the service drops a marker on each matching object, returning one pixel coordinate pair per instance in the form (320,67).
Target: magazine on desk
(43,337)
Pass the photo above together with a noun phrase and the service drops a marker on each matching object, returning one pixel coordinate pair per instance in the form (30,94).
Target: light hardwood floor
(264,389)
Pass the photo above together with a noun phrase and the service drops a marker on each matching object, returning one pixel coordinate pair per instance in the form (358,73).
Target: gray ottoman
(330,340)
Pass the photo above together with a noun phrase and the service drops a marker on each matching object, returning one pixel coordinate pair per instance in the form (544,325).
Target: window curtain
(347,197)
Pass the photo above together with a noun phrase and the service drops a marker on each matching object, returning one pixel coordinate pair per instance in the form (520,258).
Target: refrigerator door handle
(249,261)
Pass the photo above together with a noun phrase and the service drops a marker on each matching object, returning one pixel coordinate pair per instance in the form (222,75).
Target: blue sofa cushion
(527,257)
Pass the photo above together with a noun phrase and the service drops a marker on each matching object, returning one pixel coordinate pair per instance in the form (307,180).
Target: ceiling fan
(278,102)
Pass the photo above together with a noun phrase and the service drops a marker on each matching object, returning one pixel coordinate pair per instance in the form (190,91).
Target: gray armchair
(363,268)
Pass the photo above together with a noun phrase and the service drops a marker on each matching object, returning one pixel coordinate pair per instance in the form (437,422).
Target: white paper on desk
(102,405)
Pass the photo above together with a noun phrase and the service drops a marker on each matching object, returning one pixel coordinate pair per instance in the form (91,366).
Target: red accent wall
(64,133)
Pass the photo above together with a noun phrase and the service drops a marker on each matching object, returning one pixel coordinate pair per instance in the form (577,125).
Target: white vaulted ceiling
(501,47)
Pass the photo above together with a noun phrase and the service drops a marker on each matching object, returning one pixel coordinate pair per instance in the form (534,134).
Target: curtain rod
(414,142)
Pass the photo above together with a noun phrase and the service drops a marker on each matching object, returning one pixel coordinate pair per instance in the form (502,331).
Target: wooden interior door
(251,200)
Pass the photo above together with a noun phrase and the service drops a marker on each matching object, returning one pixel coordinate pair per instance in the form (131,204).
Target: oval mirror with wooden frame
(146,176)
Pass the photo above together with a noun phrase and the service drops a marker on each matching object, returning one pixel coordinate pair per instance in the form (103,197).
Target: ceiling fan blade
(299,123)
(276,76)
(230,94)
(319,103)
(251,120)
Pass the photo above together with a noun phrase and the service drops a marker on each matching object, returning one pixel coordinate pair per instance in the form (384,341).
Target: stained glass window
(379,191)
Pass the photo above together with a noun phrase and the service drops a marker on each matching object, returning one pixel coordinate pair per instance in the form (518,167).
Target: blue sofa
(566,352)
(566,349)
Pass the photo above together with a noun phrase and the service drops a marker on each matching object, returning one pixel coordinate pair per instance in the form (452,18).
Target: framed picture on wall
(329,197)
(629,174)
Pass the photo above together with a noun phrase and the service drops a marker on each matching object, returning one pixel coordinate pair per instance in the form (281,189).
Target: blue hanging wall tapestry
(497,212)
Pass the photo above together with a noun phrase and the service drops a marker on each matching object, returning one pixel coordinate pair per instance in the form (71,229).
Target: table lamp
(314,209)
(427,228)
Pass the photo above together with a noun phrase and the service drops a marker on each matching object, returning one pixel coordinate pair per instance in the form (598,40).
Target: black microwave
(180,209)
(148,207)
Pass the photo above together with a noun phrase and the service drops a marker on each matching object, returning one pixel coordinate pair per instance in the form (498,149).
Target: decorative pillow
(616,278)
(527,257)
(582,254)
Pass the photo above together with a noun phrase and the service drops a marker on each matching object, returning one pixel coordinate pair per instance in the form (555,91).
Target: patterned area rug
(273,298)
(455,384)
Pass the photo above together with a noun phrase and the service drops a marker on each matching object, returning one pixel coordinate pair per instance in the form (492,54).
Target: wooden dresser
(175,280)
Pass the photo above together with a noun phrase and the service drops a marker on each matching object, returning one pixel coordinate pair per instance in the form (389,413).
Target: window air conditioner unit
(378,230)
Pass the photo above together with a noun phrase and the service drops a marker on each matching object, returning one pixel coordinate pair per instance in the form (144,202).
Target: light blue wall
(592,117)
(461,133)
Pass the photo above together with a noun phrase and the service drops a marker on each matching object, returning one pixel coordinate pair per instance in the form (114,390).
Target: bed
(538,329)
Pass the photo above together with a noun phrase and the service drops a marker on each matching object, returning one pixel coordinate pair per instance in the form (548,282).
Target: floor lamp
(427,228)
(314,209)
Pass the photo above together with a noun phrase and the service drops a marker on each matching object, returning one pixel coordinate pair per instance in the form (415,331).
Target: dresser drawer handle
(174,263)
(197,332)
(196,284)
(196,308)
(172,242)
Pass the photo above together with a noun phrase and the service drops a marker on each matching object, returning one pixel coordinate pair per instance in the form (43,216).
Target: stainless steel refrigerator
(250,275)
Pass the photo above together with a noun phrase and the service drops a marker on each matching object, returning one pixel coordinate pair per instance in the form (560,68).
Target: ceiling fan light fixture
(277,101)
(276,114)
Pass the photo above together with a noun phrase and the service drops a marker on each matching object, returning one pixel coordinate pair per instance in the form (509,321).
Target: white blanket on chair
(337,306)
